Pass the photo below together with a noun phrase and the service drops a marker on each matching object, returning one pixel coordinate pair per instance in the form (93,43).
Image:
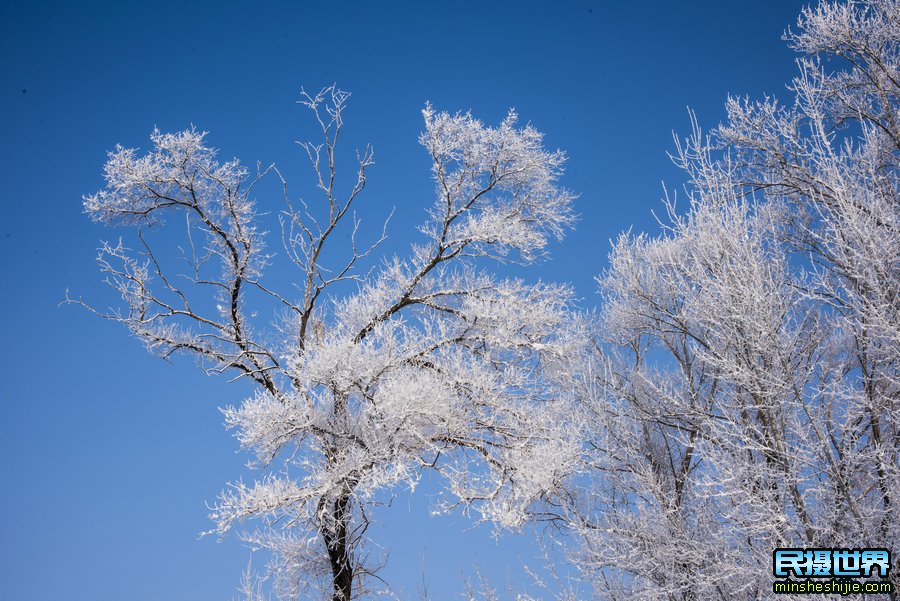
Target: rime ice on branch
(433,363)
(748,396)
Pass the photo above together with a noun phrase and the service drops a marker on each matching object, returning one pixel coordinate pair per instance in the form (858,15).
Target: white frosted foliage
(432,362)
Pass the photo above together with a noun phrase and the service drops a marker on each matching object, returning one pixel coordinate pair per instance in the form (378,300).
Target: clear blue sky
(109,454)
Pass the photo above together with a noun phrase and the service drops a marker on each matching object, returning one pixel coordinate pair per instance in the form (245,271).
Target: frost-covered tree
(428,362)
(747,395)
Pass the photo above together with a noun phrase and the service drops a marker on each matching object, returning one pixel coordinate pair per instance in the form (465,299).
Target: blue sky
(109,454)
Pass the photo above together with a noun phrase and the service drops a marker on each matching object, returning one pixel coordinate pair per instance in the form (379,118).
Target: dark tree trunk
(338,552)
